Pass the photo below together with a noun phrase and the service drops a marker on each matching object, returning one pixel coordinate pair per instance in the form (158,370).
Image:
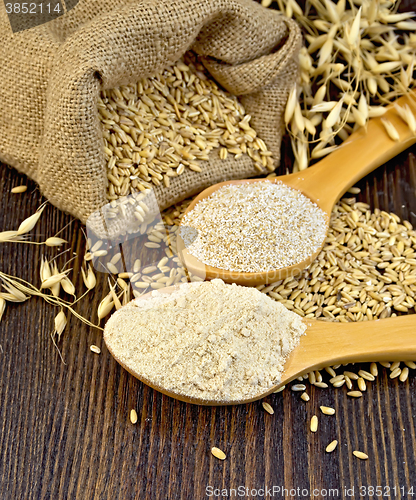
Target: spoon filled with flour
(205,341)
(254,227)
(213,343)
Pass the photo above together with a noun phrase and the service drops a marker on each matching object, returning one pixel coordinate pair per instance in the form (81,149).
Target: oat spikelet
(302,156)
(8,236)
(9,297)
(45,270)
(333,116)
(332,11)
(358,117)
(406,25)
(372,85)
(291,104)
(325,52)
(390,129)
(298,118)
(54,241)
(319,96)
(116,300)
(353,34)
(395,18)
(60,323)
(105,306)
(49,282)
(375,111)
(407,116)
(324,106)
(319,153)
(363,107)
(29,223)
(2,307)
(84,277)
(295,7)
(126,296)
(89,278)
(386,67)
(55,289)
(13,295)
(68,286)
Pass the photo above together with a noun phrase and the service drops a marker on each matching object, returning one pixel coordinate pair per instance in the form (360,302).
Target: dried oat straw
(157,128)
(358,56)
(254,227)
(208,340)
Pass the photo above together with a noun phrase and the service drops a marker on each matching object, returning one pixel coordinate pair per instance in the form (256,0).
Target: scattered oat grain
(355,394)
(268,408)
(331,447)
(218,453)
(133,416)
(326,410)
(314,423)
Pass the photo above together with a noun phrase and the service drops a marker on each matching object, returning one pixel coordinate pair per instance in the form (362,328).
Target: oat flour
(207,340)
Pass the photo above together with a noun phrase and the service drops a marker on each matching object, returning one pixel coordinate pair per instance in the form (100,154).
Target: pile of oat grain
(155,129)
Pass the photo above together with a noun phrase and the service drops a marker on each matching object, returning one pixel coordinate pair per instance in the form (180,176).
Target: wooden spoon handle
(364,151)
(325,344)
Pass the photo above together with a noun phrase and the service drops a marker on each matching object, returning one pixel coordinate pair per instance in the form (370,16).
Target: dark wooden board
(65,431)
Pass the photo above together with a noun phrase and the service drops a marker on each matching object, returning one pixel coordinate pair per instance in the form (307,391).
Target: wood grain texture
(65,431)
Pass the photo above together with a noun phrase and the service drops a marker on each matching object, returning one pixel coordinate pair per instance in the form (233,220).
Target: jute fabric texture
(52,75)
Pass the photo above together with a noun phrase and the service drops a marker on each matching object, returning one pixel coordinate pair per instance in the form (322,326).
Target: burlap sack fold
(51,77)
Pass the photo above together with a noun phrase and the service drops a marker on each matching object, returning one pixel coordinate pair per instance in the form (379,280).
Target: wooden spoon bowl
(323,344)
(324,184)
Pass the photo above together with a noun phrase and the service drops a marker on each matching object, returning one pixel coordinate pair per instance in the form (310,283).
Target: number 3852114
(33,8)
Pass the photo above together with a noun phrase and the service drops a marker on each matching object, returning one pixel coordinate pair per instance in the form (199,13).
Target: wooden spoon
(324,344)
(324,184)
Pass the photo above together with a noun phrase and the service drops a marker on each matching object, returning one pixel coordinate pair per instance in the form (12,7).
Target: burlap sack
(51,77)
